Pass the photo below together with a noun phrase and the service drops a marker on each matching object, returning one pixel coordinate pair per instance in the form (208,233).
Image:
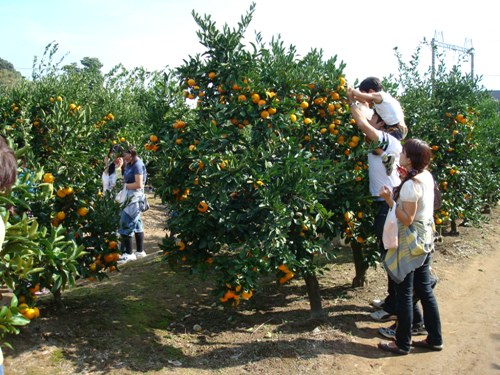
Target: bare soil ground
(143,320)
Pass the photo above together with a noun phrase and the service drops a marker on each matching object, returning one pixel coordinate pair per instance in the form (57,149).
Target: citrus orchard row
(261,177)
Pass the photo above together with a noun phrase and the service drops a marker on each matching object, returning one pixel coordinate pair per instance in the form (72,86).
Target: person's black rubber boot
(139,242)
(126,244)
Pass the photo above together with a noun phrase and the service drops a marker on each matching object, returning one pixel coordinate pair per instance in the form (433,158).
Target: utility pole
(465,50)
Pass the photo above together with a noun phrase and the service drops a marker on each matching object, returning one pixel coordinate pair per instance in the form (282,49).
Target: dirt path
(468,295)
(272,335)
(469,302)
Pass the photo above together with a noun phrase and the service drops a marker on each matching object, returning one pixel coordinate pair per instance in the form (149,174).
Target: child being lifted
(371,92)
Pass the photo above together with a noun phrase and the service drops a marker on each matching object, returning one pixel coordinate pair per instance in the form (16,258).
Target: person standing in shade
(134,178)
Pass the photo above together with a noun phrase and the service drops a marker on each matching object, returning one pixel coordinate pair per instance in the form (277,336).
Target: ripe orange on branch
(202,207)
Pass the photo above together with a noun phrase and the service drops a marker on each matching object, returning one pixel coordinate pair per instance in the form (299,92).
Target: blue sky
(159,33)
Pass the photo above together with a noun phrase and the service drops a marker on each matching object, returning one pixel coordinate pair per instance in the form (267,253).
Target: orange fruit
(113,245)
(191,82)
(60,215)
(264,114)
(179,124)
(29,313)
(211,75)
(153,138)
(109,258)
(34,289)
(304,105)
(246,294)
(72,106)
(293,118)
(272,110)
(82,211)
(202,206)
(48,178)
(68,190)
(255,98)
(60,193)
(284,268)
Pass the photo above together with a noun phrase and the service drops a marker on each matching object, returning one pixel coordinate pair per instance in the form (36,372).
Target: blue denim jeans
(378,227)
(421,281)
(130,225)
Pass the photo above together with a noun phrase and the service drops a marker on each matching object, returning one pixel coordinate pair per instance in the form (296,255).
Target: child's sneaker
(388,161)
(140,254)
(126,257)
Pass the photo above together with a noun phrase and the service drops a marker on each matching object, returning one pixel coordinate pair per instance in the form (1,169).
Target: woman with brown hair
(134,177)
(8,163)
(8,176)
(409,264)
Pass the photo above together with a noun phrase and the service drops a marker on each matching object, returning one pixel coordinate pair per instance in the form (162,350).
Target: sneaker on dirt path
(140,254)
(378,303)
(126,257)
(382,316)
(419,331)
(388,332)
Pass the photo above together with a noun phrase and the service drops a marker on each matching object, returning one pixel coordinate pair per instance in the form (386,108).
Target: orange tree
(443,109)
(267,169)
(486,156)
(66,120)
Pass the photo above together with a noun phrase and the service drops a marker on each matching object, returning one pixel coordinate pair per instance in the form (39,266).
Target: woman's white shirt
(420,189)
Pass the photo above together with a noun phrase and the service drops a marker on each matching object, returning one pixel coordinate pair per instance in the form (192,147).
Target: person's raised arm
(367,96)
(362,122)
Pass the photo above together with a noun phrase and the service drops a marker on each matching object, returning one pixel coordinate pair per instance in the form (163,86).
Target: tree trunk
(453,229)
(58,301)
(312,286)
(360,265)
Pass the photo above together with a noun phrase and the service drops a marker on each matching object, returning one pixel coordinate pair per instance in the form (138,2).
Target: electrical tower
(467,50)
